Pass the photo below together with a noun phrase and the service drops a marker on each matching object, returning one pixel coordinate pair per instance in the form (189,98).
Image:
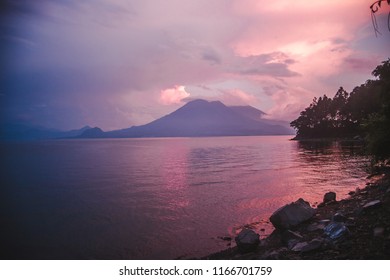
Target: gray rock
(316,226)
(247,241)
(372,205)
(329,196)
(274,255)
(292,214)
(305,247)
(299,246)
(287,235)
(313,245)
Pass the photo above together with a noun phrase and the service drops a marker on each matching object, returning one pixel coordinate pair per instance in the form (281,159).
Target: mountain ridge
(199,118)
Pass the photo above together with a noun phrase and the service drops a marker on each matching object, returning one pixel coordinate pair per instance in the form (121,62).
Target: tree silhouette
(364,112)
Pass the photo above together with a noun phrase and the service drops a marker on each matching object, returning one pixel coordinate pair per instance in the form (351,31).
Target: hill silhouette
(205,118)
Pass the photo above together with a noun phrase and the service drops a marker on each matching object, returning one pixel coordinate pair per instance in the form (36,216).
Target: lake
(160,198)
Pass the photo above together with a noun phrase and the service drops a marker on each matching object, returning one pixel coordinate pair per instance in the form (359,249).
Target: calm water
(159,198)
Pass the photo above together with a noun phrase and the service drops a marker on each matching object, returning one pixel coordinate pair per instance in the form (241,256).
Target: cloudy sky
(117,63)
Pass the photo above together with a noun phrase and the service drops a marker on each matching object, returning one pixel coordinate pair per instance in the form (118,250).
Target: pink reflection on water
(174,171)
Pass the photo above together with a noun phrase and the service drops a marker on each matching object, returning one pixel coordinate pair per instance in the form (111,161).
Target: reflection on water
(161,198)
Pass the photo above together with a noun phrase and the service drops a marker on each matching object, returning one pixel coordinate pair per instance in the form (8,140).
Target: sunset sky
(118,63)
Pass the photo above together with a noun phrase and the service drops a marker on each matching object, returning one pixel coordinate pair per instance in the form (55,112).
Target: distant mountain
(24,131)
(249,111)
(204,118)
(195,119)
(95,132)
(259,115)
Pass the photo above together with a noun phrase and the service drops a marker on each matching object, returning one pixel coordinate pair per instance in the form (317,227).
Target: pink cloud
(275,54)
(288,103)
(237,97)
(173,95)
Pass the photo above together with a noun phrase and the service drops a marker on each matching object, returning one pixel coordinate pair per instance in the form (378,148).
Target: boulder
(292,214)
(329,196)
(247,240)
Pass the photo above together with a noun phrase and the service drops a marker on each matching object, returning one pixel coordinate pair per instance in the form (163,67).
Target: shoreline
(367,234)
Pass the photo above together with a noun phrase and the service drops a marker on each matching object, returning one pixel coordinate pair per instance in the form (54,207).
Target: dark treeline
(364,112)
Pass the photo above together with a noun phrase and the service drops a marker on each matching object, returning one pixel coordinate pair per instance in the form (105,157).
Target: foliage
(377,125)
(364,112)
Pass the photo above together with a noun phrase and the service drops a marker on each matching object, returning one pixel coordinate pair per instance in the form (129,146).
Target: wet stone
(292,214)
(329,196)
(247,241)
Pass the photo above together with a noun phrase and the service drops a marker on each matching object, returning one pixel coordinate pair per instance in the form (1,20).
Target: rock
(315,244)
(336,230)
(329,196)
(378,231)
(299,246)
(292,214)
(351,192)
(291,243)
(290,238)
(289,234)
(371,205)
(247,241)
(338,217)
(225,238)
(274,255)
(305,247)
(315,227)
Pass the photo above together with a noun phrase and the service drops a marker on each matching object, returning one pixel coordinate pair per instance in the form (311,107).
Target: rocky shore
(357,227)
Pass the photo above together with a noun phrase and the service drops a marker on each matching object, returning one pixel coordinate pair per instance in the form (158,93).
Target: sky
(118,63)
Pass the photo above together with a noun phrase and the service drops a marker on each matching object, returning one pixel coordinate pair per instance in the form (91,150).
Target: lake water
(159,198)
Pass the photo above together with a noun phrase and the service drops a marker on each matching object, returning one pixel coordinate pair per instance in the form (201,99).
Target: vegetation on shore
(364,112)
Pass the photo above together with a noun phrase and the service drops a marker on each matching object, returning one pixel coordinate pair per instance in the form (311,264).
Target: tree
(364,112)
(378,123)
